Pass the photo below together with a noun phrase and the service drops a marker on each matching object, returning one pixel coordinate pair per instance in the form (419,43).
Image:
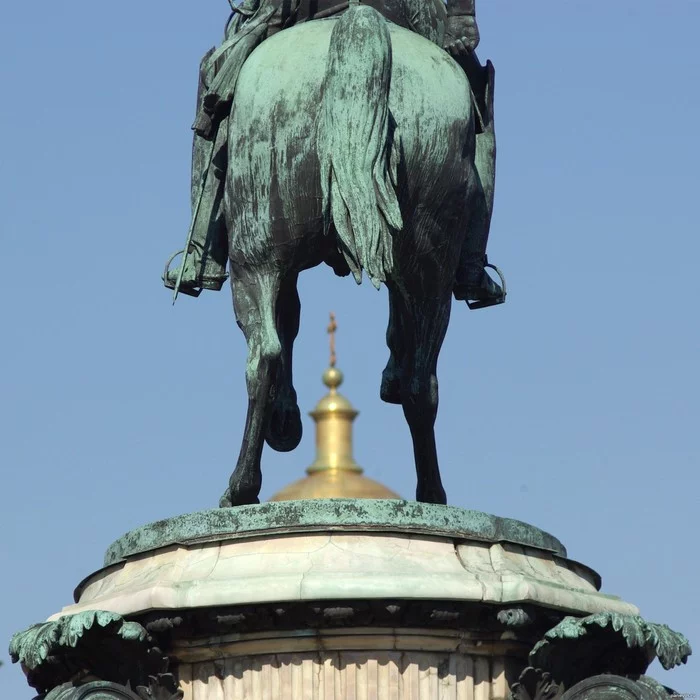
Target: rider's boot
(473,284)
(205,263)
(213,111)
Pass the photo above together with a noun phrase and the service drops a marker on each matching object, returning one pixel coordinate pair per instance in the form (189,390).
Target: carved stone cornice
(482,620)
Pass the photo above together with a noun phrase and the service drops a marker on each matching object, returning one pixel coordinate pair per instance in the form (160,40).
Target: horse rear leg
(423,326)
(255,300)
(285,429)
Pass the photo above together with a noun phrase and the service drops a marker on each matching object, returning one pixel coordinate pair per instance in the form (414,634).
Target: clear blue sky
(574,407)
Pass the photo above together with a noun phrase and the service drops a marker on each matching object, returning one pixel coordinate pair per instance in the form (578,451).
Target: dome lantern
(334,473)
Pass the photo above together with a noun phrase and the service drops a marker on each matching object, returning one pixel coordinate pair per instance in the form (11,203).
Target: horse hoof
(390,391)
(229,501)
(246,501)
(436,496)
(225,500)
(285,430)
(241,494)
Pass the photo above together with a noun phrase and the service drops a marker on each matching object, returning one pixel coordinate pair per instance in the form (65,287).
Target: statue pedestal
(344,599)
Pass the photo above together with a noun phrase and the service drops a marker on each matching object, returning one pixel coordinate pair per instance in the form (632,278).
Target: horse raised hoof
(485,292)
(390,391)
(285,430)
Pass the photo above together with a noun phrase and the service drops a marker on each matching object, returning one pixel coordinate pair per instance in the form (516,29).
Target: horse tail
(357,148)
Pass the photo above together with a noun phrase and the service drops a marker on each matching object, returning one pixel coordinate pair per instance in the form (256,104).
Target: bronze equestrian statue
(361,136)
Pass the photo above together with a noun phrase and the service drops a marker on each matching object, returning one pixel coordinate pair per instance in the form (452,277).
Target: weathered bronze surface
(363,139)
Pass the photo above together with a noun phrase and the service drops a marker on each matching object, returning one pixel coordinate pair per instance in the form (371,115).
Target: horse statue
(351,142)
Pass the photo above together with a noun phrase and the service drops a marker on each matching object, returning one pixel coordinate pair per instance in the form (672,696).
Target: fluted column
(348,675)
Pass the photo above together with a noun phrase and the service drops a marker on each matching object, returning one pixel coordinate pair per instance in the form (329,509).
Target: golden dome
(334,473)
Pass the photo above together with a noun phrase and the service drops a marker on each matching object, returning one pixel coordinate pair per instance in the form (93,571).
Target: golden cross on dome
(332,329)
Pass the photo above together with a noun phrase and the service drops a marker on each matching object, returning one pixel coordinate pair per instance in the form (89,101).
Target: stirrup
(170,279)
(494,301)
(194,287)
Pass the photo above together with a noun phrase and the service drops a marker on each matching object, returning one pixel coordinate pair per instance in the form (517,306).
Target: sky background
(573,407)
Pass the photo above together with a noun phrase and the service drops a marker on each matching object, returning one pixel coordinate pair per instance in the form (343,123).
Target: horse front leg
(255,299)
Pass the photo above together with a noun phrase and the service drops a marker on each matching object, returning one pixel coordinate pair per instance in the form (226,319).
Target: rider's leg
(210,227)
(473,282)
(215,104)
(205,265)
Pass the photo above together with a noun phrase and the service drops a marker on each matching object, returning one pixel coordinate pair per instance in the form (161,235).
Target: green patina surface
(330,515)
(361,138)
(601,656)
(53,653)
(39,643)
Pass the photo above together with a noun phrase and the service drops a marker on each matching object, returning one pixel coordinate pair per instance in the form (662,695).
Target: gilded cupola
(334,473)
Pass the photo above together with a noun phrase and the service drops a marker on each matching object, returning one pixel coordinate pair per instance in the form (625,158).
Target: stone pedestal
(344,599)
